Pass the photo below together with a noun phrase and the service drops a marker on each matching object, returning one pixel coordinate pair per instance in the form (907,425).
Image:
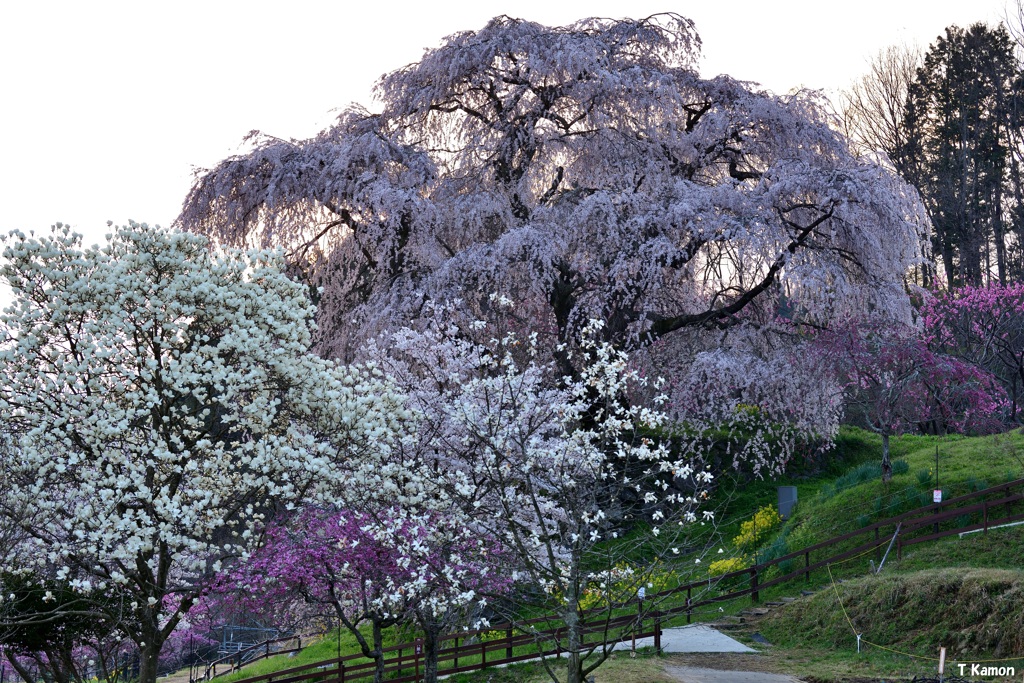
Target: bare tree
(874,108)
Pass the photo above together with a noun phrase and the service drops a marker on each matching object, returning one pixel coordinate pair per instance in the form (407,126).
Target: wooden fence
(234,661)
(927,523)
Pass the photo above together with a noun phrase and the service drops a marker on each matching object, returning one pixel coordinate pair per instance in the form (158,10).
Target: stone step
(806,593)
(774,603)
(725,625)
(755,611)
(788,600)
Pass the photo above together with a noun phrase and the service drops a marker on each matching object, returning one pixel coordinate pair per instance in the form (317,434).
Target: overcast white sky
(107,107)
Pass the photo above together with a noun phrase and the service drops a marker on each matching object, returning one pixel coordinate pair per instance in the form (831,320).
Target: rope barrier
(860,640)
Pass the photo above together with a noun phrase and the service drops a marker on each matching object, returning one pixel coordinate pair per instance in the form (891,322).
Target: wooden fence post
(689,605)
(657,632)
(508,635)
(807,566)
(754,597)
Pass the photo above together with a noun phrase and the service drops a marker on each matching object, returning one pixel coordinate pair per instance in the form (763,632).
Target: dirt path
(725,668)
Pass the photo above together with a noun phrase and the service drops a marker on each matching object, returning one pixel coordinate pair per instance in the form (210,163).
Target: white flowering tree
(163,401)
(555,469)
(588,172)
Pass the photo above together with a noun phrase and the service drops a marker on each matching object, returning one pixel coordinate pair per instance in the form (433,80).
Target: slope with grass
(833,503)
(842,495)
(975,613)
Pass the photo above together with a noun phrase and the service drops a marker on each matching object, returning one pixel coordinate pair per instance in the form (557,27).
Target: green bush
(974,484)
(860,474)
(900,466)
(776,549)
(924,477)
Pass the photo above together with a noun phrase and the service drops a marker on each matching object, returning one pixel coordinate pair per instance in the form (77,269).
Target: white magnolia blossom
(161,395)
(548,467)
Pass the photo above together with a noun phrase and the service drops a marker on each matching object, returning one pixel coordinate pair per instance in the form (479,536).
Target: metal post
(894,537)
(754,597)
(807,566)
(640,613)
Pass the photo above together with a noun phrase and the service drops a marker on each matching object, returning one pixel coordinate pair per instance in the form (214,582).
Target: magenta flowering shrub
(379,568)
(897,384)
(983,325)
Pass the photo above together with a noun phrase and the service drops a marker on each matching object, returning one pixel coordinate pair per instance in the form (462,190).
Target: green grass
(965,465)
(998,549)
(975,613)
(326,647)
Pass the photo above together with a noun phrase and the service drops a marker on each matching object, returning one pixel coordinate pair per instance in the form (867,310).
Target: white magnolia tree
(587,172)
(163,400)
(554,469)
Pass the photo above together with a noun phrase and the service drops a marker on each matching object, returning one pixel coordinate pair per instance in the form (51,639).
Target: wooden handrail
(237,655)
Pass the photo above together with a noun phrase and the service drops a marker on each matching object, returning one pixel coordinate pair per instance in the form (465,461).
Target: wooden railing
(916,526)
(235,660)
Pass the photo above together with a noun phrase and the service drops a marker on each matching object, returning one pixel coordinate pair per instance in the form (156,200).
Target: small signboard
(942,650)
(419,646)
(937,496)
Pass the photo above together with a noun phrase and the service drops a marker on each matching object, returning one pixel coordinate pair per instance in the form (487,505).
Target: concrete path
(686,674)
(692,638)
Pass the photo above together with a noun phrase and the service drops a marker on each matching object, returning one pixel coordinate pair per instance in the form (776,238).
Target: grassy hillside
(839,494)
(835,505)
(975,613)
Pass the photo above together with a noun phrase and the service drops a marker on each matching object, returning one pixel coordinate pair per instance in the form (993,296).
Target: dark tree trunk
(886,463)
(431,630)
